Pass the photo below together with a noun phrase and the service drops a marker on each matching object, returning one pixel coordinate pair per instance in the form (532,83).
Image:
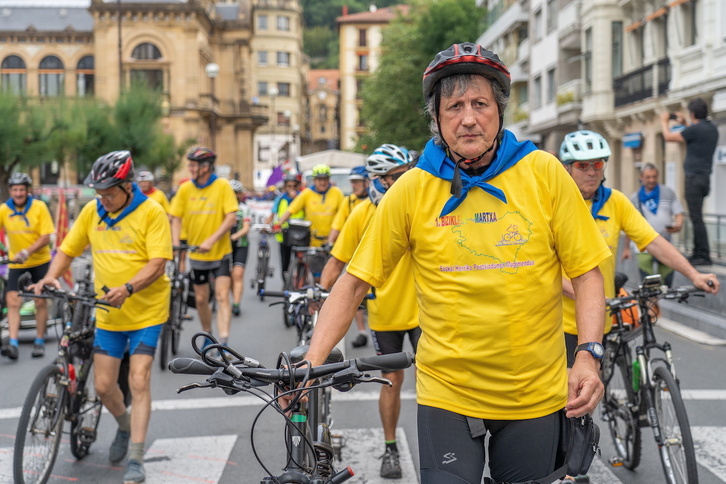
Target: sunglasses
(394,176)
(585,165)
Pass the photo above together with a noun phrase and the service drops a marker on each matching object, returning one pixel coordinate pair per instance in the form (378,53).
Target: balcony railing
(716,228)
(639,84)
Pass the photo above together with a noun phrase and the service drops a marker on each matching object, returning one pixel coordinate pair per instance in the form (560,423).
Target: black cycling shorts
(387,342)
(239,256)
(36,273)
(452,447)
(201,277)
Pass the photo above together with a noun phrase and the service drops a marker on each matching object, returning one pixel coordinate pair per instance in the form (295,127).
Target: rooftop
(377,16)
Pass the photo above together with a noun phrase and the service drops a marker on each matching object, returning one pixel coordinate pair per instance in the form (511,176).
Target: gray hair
(457,85)
(648,166)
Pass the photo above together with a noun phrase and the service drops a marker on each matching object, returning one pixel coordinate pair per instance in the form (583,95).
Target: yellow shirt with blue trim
(622,216)
(346,207)
(394,307)
(202,211)
(488,284)
(21,235)
(119,253)
(320,210)
(159,197)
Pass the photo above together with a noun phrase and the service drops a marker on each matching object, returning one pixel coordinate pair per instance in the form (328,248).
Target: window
(322,114)
(523,93)
(537,92)
(283,88)
(587,60)
(283,59)
(262,88)
(85,76)
(152,78)
(362,62)
(537,25)
(283,23)
(362,37)
(13,74)
(283,118)
(690,27)
(358,88)
(551,15)
(51,76)
(262,58)
(551,87)
(146,51)
(262,22)
(617,54)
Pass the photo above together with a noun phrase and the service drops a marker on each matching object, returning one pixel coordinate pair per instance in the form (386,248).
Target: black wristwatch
(129,288)
(595,349)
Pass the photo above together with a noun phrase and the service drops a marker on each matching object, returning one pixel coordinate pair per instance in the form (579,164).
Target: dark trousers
(697,188)
(285,254)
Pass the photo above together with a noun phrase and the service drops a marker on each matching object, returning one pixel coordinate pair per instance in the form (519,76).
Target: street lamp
(273,92)
(212,70)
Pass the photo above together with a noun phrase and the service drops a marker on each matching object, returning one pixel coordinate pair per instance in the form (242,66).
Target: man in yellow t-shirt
(393,313)
(320,203)
(207,208)
(130,240)
(585,154)
(28,225)
(489,222)
(145,180)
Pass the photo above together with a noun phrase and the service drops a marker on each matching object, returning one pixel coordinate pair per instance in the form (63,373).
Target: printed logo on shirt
(448,220)
(126,239)
(104,228)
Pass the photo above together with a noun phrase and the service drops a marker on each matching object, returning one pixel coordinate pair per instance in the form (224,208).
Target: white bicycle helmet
(387,157)
(144,176)
(236,186)
(584,145)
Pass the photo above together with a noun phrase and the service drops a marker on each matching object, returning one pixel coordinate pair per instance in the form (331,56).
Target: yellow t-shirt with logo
(319,210)
(119,253)
(346,207)
(395,307)
(488,281)
(21,235)
(160,197)
(622,216)
(202,212)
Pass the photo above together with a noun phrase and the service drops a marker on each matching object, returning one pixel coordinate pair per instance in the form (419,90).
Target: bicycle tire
(40,428)
(619,401)
(177,314)
(677,453)
(165,345)
(86,407)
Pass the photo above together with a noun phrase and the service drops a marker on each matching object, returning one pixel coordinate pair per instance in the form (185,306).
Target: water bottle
(636,376)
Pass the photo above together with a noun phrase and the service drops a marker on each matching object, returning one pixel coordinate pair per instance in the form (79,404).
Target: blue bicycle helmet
(358,173)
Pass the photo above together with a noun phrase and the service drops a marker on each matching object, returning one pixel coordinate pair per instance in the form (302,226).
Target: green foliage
(137,115)
(393,104)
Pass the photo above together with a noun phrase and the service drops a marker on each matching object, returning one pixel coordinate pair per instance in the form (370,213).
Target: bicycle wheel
(40,428)
(164,345)
(86,408)
(618,405)
(677,453)
(177,315)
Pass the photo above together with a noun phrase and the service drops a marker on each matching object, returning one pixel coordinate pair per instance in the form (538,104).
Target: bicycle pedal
(87,435)
(616,462)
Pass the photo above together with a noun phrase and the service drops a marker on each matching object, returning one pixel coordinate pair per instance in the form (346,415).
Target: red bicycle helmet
(111,169)
(202,155)
(465,58)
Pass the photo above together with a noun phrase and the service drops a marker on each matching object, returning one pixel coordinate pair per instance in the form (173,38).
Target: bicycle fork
(648,390)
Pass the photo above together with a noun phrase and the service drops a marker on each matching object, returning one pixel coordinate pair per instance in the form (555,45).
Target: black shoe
(360,340)
(699,261)
(11,351)
(38,351)
(235,309)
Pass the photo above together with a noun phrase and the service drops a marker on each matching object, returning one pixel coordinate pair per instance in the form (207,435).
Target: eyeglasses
(585,165)
(393,177)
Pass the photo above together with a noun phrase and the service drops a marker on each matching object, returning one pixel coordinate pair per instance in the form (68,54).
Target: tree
(137,116)
(393,104)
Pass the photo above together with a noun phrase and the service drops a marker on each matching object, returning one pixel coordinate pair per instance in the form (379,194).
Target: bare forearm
(224,229)
(567,288)
(664,251)
(589,305)
(42,241)
(331,272)
(176,225)
(60,263)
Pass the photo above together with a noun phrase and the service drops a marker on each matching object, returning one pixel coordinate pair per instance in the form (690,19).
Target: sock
(391,445)
(136,451)
(39,341)
(124,421)
(13,342)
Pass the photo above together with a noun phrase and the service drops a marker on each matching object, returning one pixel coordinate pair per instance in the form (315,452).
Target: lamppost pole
(212,70)
(273,92)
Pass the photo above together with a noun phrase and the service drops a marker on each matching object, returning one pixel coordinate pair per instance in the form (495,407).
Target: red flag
(61,230)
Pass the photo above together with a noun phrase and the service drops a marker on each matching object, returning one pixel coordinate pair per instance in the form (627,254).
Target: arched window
(12,74)
(145,73)
(51,75)
(85,76)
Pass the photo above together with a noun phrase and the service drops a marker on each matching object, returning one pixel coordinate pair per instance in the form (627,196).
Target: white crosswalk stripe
(362,449)
(6,464)
(710,444)
(188,459)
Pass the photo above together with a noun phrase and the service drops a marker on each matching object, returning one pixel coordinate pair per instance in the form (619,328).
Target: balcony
(641,84)
(569,26)
(503,18)
(569,99)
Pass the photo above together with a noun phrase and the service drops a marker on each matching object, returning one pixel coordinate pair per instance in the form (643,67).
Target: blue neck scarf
(312,187)
(137,198)
(211,180)
(435,161)
(20,213)
(650,200)
(602,195)
(287,197)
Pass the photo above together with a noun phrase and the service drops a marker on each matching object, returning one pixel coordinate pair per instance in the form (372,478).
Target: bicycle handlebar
(50,292)
(309,293)
(190,248)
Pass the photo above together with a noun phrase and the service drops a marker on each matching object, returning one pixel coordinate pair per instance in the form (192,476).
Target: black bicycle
(263,269)
(310,452)
(645,391)
(63,391)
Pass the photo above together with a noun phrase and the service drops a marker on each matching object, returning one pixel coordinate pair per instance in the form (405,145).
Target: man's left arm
(153,270)
(23,254)
(584,386)
(229,220)
(669,135)
(665,252)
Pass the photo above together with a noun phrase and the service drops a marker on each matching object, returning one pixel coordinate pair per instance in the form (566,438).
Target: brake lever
(193,386)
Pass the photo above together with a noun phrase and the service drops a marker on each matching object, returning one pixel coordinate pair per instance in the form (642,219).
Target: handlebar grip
(393,361)
(710,283)
(689,289)
(265,292)
(190,366)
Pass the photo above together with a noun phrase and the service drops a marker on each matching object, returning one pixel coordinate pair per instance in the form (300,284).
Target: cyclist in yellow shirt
(393,314)
(130,241)
(145,180)
(207,208)
(489,223)
(28,225)
(320,203)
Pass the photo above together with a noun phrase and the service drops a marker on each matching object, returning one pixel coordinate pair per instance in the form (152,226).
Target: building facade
(199,54)
(322,111)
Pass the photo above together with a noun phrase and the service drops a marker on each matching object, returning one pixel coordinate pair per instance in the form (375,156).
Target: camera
(673,116)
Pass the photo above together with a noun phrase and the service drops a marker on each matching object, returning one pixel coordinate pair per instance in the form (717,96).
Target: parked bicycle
(307,434)
(172,329)
(61,392)
(263,269)
(645,390)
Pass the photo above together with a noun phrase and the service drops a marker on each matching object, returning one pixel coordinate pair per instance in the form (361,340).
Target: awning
(632,140)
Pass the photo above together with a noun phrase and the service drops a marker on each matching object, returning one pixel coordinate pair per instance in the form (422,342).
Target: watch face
(598,349)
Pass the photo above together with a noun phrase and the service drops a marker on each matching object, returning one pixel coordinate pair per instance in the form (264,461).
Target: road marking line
(692,334)
(600,473)
(188,459)
(361,453)
(710,445)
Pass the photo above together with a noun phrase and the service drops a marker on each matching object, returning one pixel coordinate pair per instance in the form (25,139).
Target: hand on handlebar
(707,283)
(37,288)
